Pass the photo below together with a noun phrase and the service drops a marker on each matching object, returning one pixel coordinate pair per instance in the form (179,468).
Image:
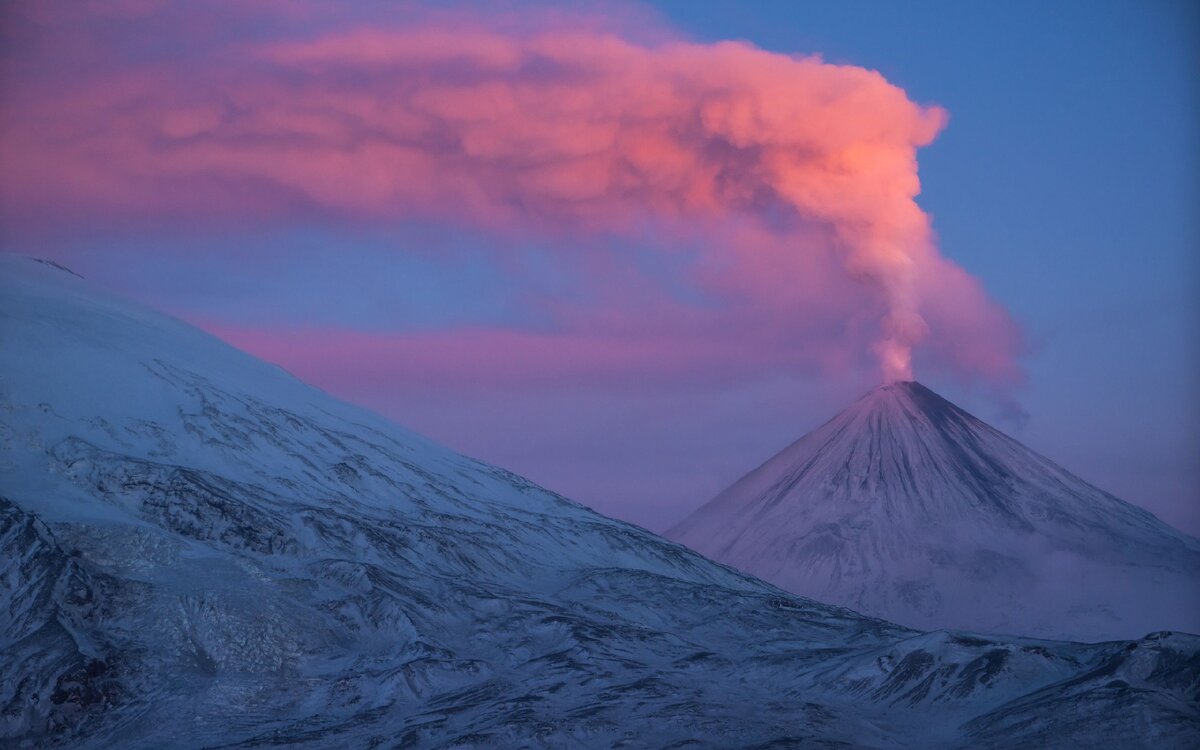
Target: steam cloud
(775,166)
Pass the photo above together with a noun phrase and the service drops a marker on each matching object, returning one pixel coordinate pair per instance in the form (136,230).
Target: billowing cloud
(782,188)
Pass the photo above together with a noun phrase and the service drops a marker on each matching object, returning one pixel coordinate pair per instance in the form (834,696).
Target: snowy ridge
(908,508)
(197,550)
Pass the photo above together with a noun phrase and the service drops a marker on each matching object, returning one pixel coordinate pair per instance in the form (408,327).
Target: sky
(632,250)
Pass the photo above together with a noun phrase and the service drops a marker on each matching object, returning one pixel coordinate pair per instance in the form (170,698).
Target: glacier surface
(199,551)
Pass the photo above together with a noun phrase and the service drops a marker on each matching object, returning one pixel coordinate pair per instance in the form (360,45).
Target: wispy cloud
(787,185)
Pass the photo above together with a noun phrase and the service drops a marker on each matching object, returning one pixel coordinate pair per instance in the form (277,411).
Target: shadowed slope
(197,550)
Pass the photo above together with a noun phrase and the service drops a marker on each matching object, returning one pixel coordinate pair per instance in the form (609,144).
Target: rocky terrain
(199,551)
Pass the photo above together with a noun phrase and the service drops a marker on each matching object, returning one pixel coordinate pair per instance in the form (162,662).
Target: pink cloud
(796,179)
(348,360)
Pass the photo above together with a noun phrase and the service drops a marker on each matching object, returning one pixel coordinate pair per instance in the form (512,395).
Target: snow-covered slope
(197,550)
(907,508)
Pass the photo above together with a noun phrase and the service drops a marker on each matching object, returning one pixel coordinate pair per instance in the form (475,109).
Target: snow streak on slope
(197,550)
(908,508)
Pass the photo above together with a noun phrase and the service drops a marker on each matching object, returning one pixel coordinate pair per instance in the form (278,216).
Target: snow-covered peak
(198,550)
(907,507)
(899,407)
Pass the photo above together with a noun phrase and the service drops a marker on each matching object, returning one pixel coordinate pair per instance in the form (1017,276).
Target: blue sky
(1066,181)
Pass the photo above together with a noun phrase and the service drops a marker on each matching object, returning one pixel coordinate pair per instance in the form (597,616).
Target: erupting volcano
(906,507)
(196,549)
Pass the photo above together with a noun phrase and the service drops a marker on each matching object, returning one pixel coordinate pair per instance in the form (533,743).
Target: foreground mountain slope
(197,550)
(908,508)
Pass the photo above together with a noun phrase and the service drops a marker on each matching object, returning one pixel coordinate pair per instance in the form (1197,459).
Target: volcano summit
(908,508)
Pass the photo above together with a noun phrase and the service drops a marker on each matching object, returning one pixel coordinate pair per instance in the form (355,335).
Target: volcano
(197,550)
(908,508)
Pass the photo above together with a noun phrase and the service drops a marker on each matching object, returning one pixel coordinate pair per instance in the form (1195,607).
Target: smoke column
(552,125)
